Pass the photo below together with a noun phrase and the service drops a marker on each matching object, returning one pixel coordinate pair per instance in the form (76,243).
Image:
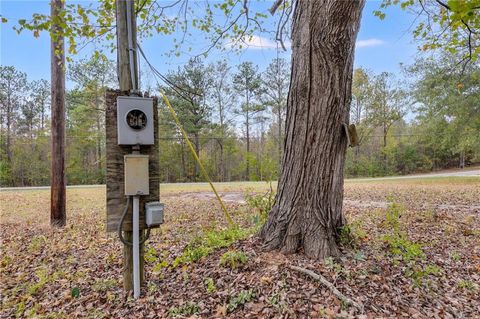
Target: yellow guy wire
(177,121)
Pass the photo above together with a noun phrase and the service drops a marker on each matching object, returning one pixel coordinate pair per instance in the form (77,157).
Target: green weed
(159,266)
(152,287)
(210,285)
(359,256)
(351,234)
(240,299)
(274,300)
(210,241)
(419,274)
(232,259)
(261,204)
(6,260)
(466,284)
(397,240)
(400,245)
(393,216)
(37,243)
(43,279)
(455,256)
(188,309)
(151,255)
(331,264)
(104,285)
(20,309)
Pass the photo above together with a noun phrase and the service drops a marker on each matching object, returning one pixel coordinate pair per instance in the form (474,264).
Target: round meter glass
(137,120)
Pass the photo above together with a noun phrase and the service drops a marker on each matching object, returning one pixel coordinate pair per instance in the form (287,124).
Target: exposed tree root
(330,286)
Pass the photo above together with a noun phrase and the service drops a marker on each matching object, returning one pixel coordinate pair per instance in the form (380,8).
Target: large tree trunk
(308,209)
(279,134)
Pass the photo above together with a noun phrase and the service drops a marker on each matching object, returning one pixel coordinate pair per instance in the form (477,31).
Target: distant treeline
(235,118)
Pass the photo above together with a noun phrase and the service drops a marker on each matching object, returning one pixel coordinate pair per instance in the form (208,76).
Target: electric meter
(135,120)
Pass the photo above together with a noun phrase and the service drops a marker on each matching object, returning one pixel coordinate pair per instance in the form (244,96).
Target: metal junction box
(154,214)
(136,174)
(135,121)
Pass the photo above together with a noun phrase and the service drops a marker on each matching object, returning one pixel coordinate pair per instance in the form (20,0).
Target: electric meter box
(136,174)
(154,214)
(135,120)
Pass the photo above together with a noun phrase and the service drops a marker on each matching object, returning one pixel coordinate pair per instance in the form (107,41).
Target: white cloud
(369,43)
(256,43)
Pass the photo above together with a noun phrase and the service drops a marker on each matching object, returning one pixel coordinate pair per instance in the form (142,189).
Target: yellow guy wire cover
(205,174)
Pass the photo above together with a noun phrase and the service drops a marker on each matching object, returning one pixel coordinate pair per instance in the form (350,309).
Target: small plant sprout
(240,299)
(466,284)
(210,285)
(188,309)
(232,259)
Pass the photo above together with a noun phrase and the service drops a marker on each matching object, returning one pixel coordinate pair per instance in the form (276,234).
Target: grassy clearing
(418,180)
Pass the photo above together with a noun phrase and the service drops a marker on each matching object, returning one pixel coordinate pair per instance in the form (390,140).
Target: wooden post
(116,199)
(123,59)
(128,83)
(58,184)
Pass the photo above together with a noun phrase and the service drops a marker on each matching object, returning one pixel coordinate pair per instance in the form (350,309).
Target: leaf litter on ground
(428,265)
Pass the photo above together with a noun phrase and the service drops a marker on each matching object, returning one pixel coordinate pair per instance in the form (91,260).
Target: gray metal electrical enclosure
(154,214)
(136,174)
(135,120)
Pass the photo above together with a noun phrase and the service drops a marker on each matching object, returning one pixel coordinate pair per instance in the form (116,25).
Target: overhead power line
(172,85)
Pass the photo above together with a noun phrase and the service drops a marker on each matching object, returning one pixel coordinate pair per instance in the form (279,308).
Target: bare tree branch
(275,6)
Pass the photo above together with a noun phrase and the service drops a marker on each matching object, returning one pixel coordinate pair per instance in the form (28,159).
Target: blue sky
(381,45)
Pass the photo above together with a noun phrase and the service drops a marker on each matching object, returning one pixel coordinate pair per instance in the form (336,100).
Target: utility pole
(128,81)
(58,184)
(126,46)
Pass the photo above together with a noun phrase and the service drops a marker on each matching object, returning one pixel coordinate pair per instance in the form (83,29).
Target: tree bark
(279,134)
(308,209)
(58,183)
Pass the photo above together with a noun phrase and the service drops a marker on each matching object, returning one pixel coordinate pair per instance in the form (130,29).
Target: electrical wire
(156,74)
(120,226)
(172,85)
